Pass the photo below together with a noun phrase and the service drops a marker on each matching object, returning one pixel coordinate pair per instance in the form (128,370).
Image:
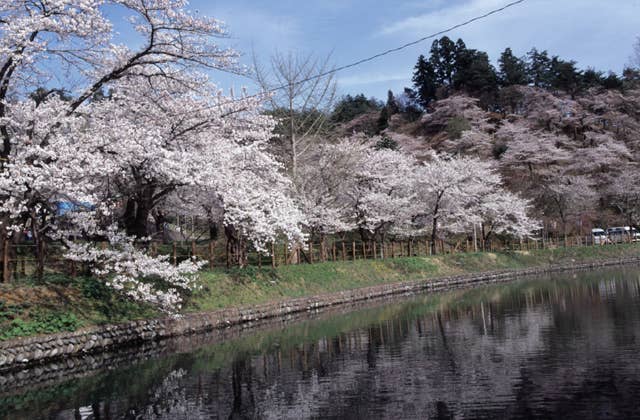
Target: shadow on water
(561,345)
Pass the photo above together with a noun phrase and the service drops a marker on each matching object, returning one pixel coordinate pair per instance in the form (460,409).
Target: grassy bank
(64,304)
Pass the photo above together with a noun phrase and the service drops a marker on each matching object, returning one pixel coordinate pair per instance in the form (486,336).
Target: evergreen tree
(409,105)
(539,68)
(565,76)
(386,142)
(443,59)
(631,76)
(350,107)
(612,81)
(513,70)
(476,76)
(383,120)
(392,105)
(424,81)
(592,78)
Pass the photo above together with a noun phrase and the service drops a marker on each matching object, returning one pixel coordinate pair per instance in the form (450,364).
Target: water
(559,346)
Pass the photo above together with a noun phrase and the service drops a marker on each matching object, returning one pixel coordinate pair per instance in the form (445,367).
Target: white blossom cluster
(350,185)
(146,129)
(161,129)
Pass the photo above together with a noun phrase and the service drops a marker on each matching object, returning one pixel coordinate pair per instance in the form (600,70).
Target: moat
(558,345)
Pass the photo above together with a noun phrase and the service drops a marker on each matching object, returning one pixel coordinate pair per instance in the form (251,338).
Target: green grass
(63,304)
(250,286)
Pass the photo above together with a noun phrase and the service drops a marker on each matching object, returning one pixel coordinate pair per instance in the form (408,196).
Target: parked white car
(599,236)
(622,234)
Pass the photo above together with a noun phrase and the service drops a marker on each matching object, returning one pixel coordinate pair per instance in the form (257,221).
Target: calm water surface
(560,346)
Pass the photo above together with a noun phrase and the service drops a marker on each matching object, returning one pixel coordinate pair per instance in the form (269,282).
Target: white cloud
(366,79)
(437,20)
(593,32)
(252,27)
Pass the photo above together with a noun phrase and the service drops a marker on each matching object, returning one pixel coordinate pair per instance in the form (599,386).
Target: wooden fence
(18,260)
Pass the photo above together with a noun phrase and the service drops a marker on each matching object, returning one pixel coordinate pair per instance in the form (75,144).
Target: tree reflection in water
(565,345)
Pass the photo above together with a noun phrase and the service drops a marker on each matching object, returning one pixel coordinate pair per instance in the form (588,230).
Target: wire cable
(375,56)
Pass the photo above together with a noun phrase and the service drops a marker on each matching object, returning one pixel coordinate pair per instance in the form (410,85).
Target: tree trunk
(294,151)
(135,217)
(8,254)
(236,248)
(160,220)
(213,231)
(38,239)
(434,231)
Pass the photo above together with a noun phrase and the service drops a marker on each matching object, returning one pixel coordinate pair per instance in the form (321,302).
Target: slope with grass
(63,304)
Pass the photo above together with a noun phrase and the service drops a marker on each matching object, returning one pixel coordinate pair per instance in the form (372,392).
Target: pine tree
(539,68)
(391,105)
(565,76)
(476,76)
(386,142)
(424,81)
(513,70)
(350,107)
(612,81)
(383,120)
(592,78)
(443,59)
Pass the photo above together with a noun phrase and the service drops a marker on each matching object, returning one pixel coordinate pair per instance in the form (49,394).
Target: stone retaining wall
(26,352)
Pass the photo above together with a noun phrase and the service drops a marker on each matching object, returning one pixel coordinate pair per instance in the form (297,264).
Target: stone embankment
(26,352)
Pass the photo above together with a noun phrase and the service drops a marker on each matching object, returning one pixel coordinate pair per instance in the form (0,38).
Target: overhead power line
(381,54)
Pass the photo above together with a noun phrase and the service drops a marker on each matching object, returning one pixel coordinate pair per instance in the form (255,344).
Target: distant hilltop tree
(453,67)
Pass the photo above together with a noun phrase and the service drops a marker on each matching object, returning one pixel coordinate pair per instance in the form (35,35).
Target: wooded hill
(569,140)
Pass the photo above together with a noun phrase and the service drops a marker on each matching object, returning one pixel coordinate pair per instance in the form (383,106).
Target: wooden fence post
(23,268)
(6,275)
(175,254)
(153,249)
(285,247)
(273,255)
(211,254)
(353,250)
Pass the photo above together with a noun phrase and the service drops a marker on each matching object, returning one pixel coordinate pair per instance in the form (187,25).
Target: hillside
(576,158)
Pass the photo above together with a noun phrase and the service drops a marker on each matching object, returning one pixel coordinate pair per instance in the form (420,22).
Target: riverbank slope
(63,304)
(351,282)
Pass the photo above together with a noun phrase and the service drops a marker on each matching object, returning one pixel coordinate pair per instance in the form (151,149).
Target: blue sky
(596,33)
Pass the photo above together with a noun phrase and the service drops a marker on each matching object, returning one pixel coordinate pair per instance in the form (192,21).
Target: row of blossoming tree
(166,136)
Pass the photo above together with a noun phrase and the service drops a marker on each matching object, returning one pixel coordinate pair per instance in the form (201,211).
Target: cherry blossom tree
(384,192)
(624,194)
(460,106)
(446,189)
(567,196)
(503,212)
(325,182)
(352,185)
(165,127)
(456,193)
